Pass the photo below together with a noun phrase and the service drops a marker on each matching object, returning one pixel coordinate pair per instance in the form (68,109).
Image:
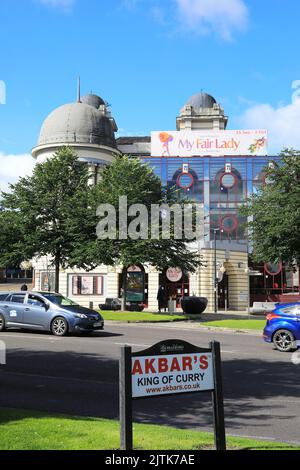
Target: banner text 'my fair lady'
(215,143)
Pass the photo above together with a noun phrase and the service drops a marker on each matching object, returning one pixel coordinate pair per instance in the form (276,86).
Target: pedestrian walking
(161,297)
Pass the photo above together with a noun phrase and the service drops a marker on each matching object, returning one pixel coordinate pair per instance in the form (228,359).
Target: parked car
(111,304)
(116,304)
(283,327)
(47,311)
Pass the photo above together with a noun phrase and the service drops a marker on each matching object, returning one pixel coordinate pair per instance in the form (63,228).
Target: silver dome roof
(77,123)
(92,100)
(201,100)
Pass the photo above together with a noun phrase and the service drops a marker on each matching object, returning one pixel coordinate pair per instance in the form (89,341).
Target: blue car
(48,312)
(283,327)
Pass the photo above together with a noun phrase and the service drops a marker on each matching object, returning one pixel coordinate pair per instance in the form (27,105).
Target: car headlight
(80,315)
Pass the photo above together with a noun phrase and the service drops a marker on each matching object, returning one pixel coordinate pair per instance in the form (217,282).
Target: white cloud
(12,167)
(282,123)
(130,4)
(222,17)
(65,5)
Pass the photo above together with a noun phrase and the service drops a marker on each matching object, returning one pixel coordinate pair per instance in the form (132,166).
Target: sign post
(167,368)
(125,399)
(217,397)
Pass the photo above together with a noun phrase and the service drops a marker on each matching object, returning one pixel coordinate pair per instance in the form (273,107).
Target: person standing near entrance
(161,297)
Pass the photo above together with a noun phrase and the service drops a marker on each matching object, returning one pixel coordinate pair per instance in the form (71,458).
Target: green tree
(53,213)
(274,212)
(48,213)
(127,176)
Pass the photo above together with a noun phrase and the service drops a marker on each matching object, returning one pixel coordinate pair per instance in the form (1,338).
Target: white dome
(77,123)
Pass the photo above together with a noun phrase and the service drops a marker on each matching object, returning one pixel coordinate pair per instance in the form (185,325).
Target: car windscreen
(3,297)
(59,300)
(292,310)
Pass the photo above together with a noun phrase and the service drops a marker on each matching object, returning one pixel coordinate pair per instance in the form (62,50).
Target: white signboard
(174,274)
(169,374)
(214,143)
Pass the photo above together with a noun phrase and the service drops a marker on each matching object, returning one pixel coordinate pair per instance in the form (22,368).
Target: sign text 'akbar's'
(166,374)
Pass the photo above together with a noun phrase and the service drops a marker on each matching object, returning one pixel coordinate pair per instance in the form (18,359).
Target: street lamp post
(247,271)
(215,271)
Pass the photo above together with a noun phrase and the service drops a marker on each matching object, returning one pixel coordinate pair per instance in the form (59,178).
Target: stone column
(153,285)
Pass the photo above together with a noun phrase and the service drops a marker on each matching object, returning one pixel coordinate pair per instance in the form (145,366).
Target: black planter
(193,305)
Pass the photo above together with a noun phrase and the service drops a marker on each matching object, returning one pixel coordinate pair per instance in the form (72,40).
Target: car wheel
(2,323)
(59,326)
(283,340)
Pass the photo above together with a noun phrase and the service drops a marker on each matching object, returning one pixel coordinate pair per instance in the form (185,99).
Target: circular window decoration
(185,180)
(228,180)
(174,274)
(229,223)
(273,268)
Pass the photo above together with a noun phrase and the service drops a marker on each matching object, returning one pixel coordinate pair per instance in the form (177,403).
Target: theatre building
(212,166)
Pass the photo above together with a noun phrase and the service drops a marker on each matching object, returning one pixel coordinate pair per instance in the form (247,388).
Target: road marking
(25,336)
(271,400)
(132,344)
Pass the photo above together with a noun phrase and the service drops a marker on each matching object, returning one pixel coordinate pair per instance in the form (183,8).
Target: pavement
(221,315)
(187,325)
(79,375)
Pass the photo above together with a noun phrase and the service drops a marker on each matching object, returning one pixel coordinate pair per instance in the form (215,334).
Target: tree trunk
(123,304)
(57,266)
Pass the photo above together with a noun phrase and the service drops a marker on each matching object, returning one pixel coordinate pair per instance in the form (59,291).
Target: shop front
(176,284)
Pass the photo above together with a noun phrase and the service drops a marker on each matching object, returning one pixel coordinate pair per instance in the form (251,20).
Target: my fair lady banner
(213,143)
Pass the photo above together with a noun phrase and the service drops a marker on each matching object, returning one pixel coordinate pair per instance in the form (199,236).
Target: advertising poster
(214,143)
(47,281)
(135,287)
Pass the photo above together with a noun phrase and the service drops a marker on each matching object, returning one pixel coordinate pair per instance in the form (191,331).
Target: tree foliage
(129,177)
(46,213)
(274,212)
(53,213)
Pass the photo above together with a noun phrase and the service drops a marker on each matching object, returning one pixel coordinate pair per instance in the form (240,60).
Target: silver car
(48,312)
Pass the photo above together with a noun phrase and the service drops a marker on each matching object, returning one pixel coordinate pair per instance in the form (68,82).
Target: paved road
(79,375)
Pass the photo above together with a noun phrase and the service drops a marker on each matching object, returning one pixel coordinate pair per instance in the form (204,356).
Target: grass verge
(257,325)
(136,317)
(32,430)
(146,317)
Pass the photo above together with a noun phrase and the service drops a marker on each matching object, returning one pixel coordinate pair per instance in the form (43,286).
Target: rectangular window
(86,284)
(17,298)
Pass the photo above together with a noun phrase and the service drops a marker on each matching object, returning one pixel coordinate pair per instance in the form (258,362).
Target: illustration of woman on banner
(165,138)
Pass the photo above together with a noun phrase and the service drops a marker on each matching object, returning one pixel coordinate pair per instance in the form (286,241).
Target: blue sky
(146,57)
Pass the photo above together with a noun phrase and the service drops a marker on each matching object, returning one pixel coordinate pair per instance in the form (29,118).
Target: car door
(297,314)
(13,309)
(36,314)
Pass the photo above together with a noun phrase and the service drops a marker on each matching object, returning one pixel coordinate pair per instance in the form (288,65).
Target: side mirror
(47,306)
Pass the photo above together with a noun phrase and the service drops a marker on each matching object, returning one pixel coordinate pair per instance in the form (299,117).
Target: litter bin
(172,306)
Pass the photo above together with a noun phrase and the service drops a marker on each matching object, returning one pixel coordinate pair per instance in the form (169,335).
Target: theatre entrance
(223,292)
(176,284)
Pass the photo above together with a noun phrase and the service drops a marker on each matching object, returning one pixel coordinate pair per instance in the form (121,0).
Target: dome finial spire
(78,90)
